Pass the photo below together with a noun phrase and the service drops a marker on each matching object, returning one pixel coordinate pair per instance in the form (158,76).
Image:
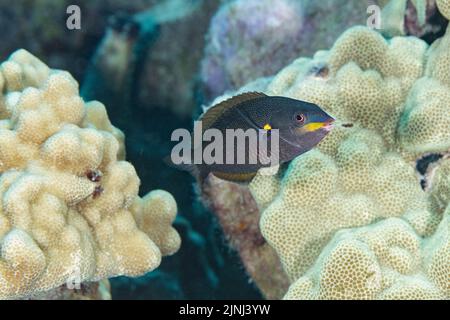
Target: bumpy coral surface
(43,25)
(249,39)
(349,219)
(380,261)
(416,17)
(70,210)
(100,290)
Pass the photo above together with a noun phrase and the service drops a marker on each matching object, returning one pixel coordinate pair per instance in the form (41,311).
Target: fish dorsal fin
(213,113)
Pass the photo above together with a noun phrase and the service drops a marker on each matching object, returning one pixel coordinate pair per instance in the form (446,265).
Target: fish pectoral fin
(250,122)
(236,177)
(213,113)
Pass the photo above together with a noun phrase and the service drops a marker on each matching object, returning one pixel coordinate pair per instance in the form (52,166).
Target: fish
(300,127)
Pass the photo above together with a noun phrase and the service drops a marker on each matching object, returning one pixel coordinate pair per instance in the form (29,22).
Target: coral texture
(243,44)
(168,66)
(250,33)
(145,74)
(238,215)
(350,219)
(248,39)
(100,290)
(70,209)
(43,30)
(402,17)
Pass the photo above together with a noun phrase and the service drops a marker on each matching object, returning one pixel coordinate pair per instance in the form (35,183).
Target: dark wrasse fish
(301,126)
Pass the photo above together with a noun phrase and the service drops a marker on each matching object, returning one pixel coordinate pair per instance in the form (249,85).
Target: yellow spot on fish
(313,126)
(267,127)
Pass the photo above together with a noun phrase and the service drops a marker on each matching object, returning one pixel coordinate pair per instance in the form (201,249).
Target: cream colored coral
(352,181)
(379,261)
(444,7)
(396,94)
(393,15)
(437,255)
(439,185)
(368,83)
(424,125)
(70,209)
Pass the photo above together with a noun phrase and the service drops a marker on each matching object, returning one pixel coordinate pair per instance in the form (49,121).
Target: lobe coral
(350,220)
(69,205)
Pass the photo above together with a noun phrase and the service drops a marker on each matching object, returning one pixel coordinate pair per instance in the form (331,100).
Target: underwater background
(155,64)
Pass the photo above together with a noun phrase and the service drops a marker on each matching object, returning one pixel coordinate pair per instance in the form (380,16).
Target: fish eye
(300,118)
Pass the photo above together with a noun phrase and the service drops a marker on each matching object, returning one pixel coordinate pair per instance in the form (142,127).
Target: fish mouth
(328,125)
